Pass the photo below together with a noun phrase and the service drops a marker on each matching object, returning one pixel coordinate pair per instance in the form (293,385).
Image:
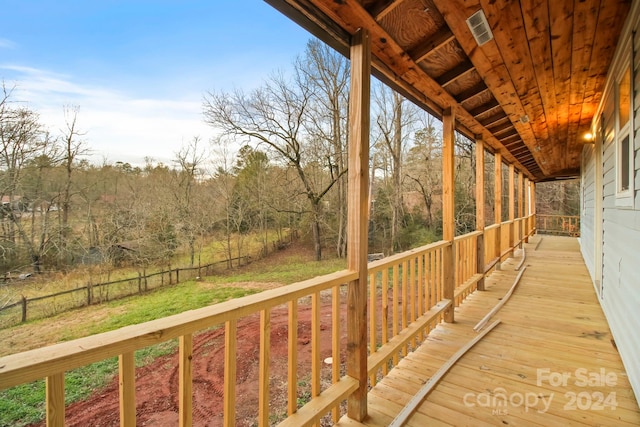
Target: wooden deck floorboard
(552,325)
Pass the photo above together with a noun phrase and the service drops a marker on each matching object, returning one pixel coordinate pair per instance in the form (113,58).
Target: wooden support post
(520,208)
(357,220)
(512,207)
(480,216)
(527,222)
(498,206)
(448,209)
(533,205)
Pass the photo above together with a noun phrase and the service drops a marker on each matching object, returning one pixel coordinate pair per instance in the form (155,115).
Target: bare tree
(326,73)
(424,166)
(395,117)
(73,147)
(189,161)
(22,140)
(222,186)
(276,116)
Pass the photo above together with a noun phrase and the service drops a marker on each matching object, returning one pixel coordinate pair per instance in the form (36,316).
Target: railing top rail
(34,364)
(469,235)
(491,227)
(558,216)
(380,264)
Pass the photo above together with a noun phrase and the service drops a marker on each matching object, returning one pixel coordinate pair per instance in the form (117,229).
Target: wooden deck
(551,362)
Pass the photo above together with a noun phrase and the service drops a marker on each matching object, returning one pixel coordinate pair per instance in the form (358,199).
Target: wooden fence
(49,305)
(565,225)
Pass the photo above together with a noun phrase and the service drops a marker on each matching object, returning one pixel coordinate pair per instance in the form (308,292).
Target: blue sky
(138,69)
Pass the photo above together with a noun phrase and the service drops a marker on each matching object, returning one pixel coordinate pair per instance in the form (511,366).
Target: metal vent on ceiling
(479,27)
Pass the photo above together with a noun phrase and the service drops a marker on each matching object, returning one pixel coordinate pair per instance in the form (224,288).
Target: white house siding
(620,296)
(587,209)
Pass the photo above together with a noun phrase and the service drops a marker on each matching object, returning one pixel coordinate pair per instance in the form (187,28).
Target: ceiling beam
(484,108)
(452,75)
(473,91)
(510,139)
(496,129)
(496,118)
(425,48)
(382,8)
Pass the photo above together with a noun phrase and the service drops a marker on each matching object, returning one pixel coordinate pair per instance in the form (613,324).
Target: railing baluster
(127,374)
(230,345)
(263,376)
(292,368)
(420,296)
(439,277)
(372,321)
(335,344)
(385,313)
(405,297)
(55,400)
(433,292)
(315,344)
(185,380)
(412,290)
(396,307)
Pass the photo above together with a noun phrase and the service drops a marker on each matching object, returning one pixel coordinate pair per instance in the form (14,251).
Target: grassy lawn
(24,404)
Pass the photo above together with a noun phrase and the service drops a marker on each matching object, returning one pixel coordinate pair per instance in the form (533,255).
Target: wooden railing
(492,245)
(466,272)
(505,239)
(52,362)
(405,302)
(566,225)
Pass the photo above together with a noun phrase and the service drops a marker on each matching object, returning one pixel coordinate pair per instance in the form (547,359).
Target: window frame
(624,198)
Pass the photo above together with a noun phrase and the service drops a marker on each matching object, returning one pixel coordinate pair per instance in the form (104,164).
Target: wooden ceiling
(530,93)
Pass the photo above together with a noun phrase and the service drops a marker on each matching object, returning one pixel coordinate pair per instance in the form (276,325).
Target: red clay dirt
(157,383)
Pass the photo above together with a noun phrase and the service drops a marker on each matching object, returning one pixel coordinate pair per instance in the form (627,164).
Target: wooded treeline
(279,163)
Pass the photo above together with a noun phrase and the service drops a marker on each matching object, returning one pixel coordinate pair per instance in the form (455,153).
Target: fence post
(146,285)
(24,309)
(88,294)
(139,283)
(177,276)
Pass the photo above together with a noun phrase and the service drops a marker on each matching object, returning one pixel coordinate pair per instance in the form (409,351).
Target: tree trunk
(316,231)
(397,177)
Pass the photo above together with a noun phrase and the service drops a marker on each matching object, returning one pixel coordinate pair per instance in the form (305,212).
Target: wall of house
(620,239)
(587,209)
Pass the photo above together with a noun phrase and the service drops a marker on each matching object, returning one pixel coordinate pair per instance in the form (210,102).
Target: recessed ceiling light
(524,119)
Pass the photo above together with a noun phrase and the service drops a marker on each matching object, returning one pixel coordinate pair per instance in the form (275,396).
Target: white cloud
(7,44)
(118,127)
